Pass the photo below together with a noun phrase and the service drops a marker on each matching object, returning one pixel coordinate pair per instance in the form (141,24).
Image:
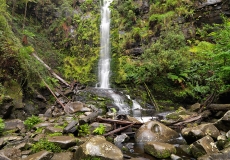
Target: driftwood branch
(118,130)
(189,120)
(115,121)
(50,70)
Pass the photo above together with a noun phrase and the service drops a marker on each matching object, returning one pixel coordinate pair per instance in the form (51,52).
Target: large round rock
(155,131)
(98,147)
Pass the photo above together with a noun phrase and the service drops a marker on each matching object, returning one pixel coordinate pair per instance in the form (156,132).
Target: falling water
(104,63)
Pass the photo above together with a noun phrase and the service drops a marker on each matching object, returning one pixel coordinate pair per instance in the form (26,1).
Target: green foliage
(2,125)
(79,69)
(83,130)
(39,130)
(44,144)
(99,130)
(31,121)
(113,110)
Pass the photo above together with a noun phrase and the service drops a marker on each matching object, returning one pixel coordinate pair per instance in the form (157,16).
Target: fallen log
(49,69)
(100,119)
(219,107)
(118,130)
(52,92)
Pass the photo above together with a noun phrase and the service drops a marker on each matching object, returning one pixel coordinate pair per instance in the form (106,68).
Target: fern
(83,130)
(99,130)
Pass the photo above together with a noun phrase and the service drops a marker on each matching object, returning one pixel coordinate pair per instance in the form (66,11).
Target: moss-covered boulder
(159,150)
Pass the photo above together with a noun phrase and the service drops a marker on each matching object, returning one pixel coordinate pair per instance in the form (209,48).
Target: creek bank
(184,133)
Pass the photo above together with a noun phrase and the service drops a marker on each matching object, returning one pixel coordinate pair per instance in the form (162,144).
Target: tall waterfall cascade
(104,62)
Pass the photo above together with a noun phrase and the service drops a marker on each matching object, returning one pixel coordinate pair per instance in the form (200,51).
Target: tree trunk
(13,7)
(24,20)
(50,70)
(219,107)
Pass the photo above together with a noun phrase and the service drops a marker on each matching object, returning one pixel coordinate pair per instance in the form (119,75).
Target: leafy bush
(45,145)
(83,130)
(31,121)
(2,125)
(99,130)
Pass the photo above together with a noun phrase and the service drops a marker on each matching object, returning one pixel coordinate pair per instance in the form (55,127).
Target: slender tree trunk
(24,20)
(13,7)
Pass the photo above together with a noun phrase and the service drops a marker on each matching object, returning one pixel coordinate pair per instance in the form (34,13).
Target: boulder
(194,133)
(222,155)
(98,147)
(155,131)
(159,150)
(64,142)
(221,141)
(203,146)
(51,129)
(71,127)
(73,107)
(11,153)
(42,155)
(14,124)
(63,156)
(224,122)
(195,107)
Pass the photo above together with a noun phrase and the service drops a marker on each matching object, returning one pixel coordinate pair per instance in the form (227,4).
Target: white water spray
(104,62)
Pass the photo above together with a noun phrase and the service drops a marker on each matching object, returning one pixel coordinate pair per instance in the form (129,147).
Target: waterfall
(104,62)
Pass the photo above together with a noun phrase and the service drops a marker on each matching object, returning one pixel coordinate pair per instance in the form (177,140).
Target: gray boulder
(64,142)
(155,131)
(203,146)
(194,133)
(224,122)
(63,156)
(98,147)
(42,155)
(222,155)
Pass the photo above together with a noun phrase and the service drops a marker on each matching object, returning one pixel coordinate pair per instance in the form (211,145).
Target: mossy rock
(159,150)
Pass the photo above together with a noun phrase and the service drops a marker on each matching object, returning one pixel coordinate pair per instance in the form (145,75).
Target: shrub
(83,130)
(31,121)
(99,130)
(2,125)
(45,145)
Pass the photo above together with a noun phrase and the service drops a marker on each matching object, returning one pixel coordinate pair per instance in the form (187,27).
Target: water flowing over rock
(98,147)
(155,131)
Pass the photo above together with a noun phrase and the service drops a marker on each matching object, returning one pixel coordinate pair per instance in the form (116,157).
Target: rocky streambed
(84,131)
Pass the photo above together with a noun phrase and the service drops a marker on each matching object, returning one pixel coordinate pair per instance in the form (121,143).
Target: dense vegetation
(175,60)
